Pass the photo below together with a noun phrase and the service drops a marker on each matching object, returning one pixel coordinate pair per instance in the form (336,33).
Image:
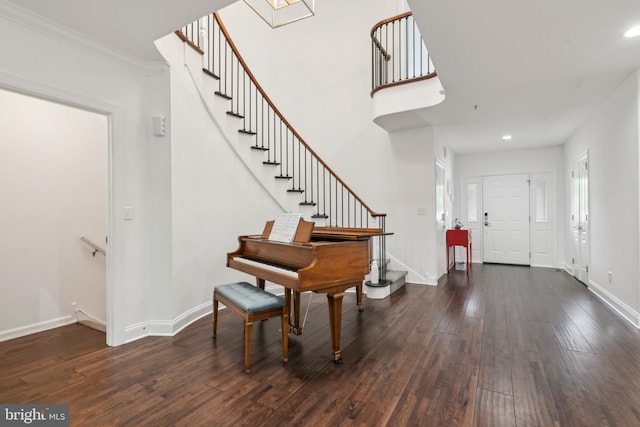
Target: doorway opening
(580,219)
(54,179)
(511,218)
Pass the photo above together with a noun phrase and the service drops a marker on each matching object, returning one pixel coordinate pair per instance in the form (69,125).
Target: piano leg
(260,283)
(359,297)
(294,320)
(335,323)
(296,313)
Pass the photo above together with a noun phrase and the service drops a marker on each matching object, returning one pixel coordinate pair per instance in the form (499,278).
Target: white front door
(580,219)
(505,201)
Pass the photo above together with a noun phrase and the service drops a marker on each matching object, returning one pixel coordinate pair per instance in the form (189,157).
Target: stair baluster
(319,187)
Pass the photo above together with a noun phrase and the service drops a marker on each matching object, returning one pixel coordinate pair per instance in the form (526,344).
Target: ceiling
(129,26)
(535,70)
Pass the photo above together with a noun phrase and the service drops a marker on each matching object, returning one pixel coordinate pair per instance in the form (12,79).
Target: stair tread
(223,95)
(211,74)
(395,275)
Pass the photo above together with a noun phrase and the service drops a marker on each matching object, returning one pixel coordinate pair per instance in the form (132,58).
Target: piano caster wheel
(360,308)
(337,361)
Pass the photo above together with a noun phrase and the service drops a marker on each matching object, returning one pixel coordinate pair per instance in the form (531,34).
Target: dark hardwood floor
(507,346)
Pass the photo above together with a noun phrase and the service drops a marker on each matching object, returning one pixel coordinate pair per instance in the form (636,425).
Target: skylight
(633,32)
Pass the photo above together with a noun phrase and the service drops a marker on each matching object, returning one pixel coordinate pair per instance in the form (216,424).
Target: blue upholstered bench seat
(248,297)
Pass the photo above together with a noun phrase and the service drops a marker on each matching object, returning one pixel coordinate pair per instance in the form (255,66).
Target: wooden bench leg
(248,335)
(232,297)
(215,316)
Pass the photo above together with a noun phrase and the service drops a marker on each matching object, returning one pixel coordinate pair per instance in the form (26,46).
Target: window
(472,202)
(540,193)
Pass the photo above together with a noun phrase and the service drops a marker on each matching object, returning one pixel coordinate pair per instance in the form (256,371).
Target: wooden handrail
(389,20)
(378,43)
(185,39)
(404,50)
(387,55)
(282,118)
(96,248)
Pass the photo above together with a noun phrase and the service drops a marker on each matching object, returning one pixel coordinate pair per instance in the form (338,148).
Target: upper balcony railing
(398,53)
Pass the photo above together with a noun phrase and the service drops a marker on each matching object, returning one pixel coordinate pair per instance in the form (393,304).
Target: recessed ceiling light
(506,137)
(633,32)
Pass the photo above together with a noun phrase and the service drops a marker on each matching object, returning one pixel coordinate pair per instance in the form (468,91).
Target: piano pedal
(295,330)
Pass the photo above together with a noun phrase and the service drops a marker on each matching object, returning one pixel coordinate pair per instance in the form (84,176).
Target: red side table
(458,237)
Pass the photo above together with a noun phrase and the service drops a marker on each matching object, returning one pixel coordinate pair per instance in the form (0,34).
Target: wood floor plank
(501,346)
(533,401)
(494,409)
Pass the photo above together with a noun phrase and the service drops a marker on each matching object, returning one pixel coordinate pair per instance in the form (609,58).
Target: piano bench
(253,304)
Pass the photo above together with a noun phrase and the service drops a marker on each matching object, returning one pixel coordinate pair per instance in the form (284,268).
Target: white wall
(214,198)
(57,67)
(514,162)
(322,84)
(53,188)
(611,138)
(163,262)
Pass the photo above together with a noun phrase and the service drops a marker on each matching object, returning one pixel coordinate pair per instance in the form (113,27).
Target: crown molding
(23,17)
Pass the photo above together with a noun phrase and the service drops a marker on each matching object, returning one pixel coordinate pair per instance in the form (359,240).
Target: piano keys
(287,271)
(326,260)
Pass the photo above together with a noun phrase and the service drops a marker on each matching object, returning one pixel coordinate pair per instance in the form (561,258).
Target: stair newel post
(379,251)
(383,251)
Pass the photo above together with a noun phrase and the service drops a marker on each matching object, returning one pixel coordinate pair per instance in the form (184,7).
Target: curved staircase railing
(398,53)
(291,158)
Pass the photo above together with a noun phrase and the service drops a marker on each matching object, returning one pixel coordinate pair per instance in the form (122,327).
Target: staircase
(318,192)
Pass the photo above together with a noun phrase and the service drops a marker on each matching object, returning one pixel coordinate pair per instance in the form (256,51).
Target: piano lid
(346,233)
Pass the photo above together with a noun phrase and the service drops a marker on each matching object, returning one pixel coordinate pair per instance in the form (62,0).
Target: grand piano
(326,260)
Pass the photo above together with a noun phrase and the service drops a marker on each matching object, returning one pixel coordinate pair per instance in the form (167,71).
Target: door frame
(579,220)
(115,289)
(440,178)
(476,226)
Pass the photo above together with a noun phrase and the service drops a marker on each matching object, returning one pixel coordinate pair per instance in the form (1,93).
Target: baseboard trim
(36,327)
(164,328)
(616,304)
(167,328)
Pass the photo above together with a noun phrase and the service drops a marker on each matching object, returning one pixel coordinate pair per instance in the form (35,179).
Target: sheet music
(285,227)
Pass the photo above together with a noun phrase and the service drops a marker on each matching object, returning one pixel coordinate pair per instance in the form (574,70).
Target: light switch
(159,124)
(127,213)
